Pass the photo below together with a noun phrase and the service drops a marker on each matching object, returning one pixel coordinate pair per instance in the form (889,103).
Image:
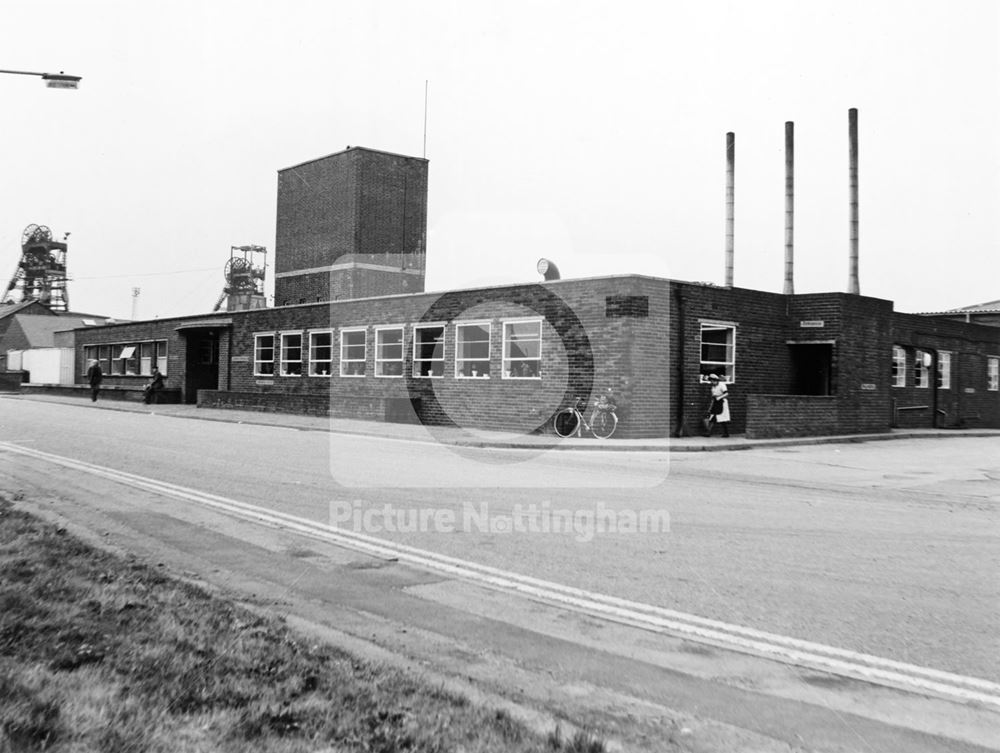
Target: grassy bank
(103,654)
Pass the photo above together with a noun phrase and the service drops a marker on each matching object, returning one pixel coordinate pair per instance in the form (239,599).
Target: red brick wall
(772,416)
(363,203)
(968,402)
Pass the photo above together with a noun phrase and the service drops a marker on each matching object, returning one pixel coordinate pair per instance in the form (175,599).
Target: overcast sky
(592,133)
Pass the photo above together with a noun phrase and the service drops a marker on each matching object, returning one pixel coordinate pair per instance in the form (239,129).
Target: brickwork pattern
(365,204)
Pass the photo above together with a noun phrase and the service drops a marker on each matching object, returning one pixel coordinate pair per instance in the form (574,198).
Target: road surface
(885,549)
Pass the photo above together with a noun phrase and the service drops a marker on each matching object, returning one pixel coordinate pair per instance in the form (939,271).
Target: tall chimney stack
(853,286)
(730,205)
(789,288)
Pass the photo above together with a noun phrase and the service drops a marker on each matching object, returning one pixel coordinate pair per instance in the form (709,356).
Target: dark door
(202,363)
(812,365)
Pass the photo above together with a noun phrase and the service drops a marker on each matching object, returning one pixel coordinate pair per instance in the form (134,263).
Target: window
(944,370)
(389,352)
(353,352)
(90,353)
(428,351)
(125,361)
(993,373)
(472,350)
(105,358)
(291,354)
(922,368)
(263,355)
(145,358)
(898,366)
(522,349)
(320,353)
(161,356)
(718,351)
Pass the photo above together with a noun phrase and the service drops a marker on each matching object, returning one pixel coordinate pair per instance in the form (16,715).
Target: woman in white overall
(719,410)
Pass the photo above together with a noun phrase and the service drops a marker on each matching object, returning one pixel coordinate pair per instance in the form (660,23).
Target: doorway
(202,363)
(812,368)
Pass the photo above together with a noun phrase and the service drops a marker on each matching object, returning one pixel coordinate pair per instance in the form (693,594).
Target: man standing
(94,376)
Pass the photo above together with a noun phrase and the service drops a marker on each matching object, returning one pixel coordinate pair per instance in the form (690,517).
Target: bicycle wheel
(566,422)
(604,424)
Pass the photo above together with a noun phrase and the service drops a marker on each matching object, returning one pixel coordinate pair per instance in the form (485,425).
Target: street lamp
(52,80)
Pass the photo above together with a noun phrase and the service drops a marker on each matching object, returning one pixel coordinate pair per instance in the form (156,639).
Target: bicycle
(571,420)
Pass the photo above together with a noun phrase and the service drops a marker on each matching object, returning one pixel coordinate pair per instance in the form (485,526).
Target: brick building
(355,335)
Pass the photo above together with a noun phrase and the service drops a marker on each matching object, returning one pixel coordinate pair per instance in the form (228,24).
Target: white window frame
(435,362)
(381,362)
(146,355)
(315,361)
(921,369)
(475,363)
(348,365)
(283,361)
(992,373)
(899,363)
(257,360)
(725,369)
(508,341)
(944,370)
(160,347)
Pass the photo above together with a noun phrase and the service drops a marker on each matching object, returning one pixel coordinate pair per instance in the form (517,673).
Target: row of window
(922,361)
(128,359)
(296,353)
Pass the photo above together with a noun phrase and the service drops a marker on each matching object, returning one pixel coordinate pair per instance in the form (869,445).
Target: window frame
(899,366)
(381,362)
(460,362)
(506,371)
(419,360)
(344,334)
(725,369)
(992,373)
(283,361)
(257,349)
(314,360)
(921,370)
(944,370)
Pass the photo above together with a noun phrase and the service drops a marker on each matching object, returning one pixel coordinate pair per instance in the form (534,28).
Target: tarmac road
(885,548)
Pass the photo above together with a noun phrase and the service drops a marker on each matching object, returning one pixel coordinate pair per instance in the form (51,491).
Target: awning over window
(127,352)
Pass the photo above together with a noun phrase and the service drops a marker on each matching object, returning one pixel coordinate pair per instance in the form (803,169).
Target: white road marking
(837,661)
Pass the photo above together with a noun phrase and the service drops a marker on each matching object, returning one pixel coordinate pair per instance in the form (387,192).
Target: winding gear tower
(41,272)
(244,279)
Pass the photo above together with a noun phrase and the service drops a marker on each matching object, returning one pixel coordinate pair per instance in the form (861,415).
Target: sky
(590,133)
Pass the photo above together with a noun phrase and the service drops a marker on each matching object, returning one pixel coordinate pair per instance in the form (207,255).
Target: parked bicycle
(572,420)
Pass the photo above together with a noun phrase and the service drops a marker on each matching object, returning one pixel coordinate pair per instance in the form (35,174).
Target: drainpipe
(679,381)
(934,388)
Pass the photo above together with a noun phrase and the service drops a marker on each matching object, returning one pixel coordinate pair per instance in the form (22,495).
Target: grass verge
(100,653)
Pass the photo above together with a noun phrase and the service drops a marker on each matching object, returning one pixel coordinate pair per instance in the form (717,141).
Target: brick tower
(350,225)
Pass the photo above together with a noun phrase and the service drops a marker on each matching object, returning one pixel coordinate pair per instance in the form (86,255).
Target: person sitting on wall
(718,409)
(153,387)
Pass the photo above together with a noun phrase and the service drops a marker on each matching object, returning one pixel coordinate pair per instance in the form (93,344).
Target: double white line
(816,656)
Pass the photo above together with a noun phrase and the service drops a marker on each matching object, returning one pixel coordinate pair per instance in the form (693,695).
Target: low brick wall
(108,392)
(396,410)
(10,381)
(773,416)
